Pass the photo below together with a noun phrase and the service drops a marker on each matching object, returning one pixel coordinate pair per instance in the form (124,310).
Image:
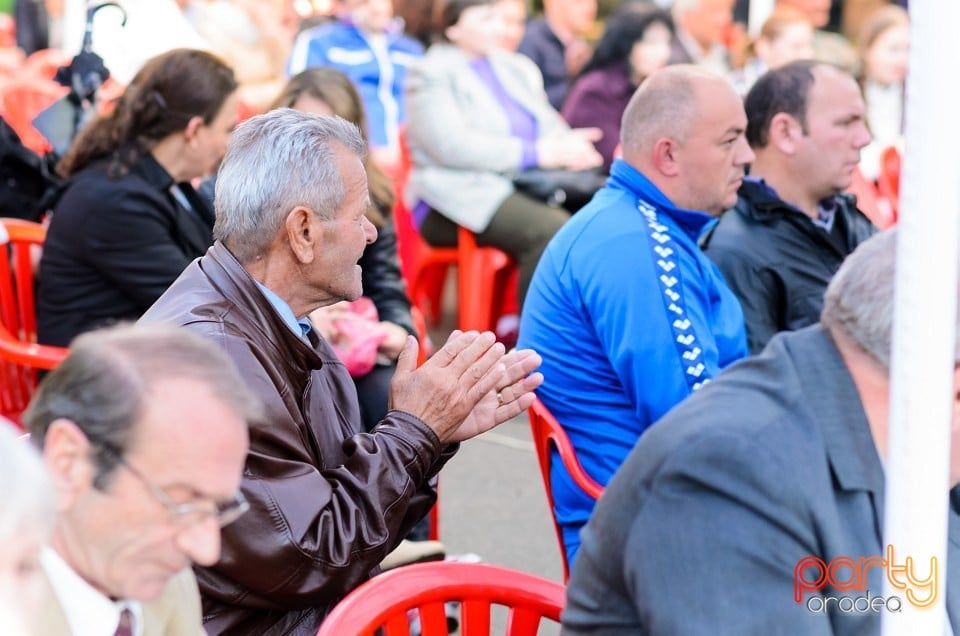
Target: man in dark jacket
(327,502)
(792,225)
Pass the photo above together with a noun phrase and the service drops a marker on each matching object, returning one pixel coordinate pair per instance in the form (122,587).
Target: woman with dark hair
(476,117)
(636,43)
(327,91)
(128,221)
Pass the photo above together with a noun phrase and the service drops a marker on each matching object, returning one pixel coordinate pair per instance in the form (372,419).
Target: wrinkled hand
(447,387)
(514,396)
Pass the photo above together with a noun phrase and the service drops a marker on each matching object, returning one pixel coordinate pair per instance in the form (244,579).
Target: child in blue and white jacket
(367,44)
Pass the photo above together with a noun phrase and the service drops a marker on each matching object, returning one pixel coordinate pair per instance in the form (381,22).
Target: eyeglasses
(186,514)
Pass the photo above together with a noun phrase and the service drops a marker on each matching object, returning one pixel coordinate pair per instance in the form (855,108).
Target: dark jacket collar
(217,289)
(228,276)
(150,170)
(764,205)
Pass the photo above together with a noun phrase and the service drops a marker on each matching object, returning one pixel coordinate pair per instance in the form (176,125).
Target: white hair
(28,500)
(274,163)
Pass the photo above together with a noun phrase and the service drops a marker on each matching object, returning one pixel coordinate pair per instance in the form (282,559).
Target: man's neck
(788,187)
(873,386)
(285,280)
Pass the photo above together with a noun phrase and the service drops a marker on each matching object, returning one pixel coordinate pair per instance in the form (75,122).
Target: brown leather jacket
(327,502)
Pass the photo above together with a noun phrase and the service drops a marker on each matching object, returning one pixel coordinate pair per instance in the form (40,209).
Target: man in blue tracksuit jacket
(629,315)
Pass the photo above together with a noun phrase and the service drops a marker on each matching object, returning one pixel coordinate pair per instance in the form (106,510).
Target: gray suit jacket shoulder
(702,528)
(463,153)
(175,613)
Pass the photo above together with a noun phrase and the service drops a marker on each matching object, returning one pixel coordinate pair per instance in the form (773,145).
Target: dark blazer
(777,261)
(700,530)
(598,100)
(113,246)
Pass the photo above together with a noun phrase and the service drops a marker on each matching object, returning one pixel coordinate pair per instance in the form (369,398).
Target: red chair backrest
(889,180)
(874,206)
(408,237)
(547,435)
(21,241)
(22,99)
(20,356)
(8,31)
(45,62)
(383,601)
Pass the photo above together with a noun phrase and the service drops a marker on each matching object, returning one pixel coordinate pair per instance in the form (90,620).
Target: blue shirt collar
(300,327)
(626,177)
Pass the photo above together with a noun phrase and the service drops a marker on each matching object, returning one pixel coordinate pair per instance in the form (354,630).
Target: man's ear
(666,156)
(67,455)
(301,233)
(784,133)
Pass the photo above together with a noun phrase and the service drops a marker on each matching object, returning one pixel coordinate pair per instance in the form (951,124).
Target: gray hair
(28,507)
(859,300)
(104,385)
(665,105)
(274,163)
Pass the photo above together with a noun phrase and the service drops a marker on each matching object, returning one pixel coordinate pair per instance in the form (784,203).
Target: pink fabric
(357,336)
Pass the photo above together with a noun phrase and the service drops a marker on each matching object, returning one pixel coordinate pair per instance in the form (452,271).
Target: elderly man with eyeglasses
(144,430)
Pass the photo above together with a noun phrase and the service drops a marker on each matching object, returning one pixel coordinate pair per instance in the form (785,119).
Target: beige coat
(175,613)
(462,151)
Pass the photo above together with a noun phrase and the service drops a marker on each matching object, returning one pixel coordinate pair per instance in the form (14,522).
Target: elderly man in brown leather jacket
(327,501)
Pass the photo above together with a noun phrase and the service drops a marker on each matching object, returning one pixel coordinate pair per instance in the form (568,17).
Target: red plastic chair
(383,601)
(875,207)
(548,434)
(888,182)
(483,273)
(420,325)
(21,100)
(20,355)
(45,62)
(8,31)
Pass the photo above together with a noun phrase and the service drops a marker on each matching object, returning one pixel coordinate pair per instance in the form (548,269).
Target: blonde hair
(779,20)
(880,21)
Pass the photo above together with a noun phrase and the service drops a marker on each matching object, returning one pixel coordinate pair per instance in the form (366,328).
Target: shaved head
(665,105)
(683,130)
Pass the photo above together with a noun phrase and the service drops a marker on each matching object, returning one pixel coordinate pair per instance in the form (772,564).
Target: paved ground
(492,504)
(492,501)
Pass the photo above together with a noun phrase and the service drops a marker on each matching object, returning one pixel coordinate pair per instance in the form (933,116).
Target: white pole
(760,10)
(917,468)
